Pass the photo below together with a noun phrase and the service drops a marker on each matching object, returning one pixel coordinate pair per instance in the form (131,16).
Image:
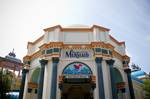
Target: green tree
(5,82)
(146,87)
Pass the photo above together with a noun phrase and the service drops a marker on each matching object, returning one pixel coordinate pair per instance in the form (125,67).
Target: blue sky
(24,20)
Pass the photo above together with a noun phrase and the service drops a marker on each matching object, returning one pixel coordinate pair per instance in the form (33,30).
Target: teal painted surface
(117,75)
(35,75)
(77,68)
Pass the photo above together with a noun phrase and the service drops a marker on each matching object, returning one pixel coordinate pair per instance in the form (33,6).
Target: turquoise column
(24,71)
(55,61)
(112,76)
(98,61)
(128,72)
(41,79)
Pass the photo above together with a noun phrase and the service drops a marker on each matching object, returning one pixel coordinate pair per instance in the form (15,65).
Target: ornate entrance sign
(77,82)
(77,70)
(77,54)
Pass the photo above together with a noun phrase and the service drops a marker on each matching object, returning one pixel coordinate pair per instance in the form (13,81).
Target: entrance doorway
(77,91)
(77,81)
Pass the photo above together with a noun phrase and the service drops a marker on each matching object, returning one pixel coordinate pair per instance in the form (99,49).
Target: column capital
(43,62)
(128,70)
(98,59)
(24,71)
(55,59)
(110,62)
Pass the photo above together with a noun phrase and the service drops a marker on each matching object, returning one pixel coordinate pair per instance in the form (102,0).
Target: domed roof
(12,56)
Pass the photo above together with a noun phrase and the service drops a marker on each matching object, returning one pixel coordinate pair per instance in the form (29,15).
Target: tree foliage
(5,82)
(146,87)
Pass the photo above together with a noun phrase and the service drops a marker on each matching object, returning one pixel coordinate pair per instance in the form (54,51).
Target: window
(104,51)
(56,50)
(49,51)
(98,49)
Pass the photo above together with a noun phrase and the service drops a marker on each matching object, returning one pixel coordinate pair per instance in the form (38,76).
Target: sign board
(77,54)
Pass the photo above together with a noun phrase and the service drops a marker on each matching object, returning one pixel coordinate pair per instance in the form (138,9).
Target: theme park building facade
(76,62)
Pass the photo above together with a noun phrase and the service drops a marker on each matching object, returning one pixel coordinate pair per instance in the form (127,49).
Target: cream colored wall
(35,47)
(106,78)
(47,80)
(77,37)
(99,35)
(26,87)
(119,49)
(118,63)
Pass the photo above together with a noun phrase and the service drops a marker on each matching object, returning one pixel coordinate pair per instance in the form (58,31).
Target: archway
(35,76)
(76,82)
(120,85)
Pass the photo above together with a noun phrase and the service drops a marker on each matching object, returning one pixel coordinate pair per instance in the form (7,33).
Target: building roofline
(119,43)
(75,28)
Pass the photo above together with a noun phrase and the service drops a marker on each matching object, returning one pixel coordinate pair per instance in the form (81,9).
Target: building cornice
(76,29)
(116,41)
(61,45)
(36,41)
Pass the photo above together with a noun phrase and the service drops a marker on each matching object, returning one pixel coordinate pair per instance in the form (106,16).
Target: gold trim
(32,85)
(52,28)
(121,85)
(61,45)
(100,27)
(126,58)
(117,55)
(26,58)
(51,44)
(102,45)
(77,46)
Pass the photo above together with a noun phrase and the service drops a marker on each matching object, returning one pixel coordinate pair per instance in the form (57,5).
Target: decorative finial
(13,50)
(12,53)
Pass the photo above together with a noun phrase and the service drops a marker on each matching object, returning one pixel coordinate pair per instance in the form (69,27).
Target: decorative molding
(76,29)
(121,85)
(117,55)
(116,41)
(77,46)
(102,45)
(32,85)
(27,58)
(51,45)
(60,45)
(36,41)
(52,28)
(126,58)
